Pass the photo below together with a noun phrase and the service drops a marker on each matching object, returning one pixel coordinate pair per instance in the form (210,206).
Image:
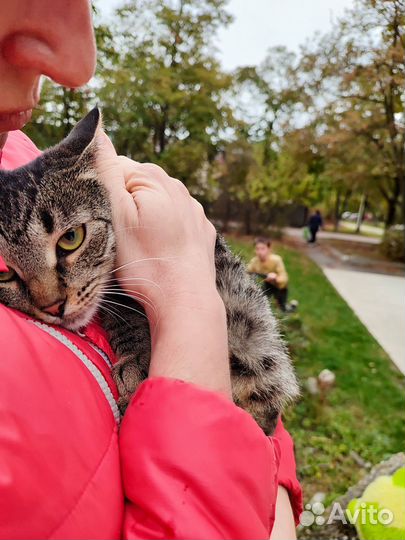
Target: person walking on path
(315,222)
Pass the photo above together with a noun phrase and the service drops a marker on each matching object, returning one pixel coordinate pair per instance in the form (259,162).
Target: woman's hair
(262,240)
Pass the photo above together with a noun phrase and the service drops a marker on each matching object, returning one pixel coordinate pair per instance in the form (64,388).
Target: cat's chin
(73,321)
(77,321)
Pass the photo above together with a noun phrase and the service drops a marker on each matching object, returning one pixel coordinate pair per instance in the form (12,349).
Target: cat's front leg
(128,375)
(127,328)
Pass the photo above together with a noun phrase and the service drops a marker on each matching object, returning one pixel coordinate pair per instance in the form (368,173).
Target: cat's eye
(7,276)
(72,239)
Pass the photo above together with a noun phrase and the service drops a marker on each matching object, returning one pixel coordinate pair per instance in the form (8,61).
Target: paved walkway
(297,233)
(374,290)
(379,302)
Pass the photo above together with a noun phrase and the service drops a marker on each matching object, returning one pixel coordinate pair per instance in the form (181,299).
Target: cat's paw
(127,375)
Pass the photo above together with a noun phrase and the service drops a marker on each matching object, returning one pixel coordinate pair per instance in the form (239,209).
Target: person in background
(270,267)
(315,222)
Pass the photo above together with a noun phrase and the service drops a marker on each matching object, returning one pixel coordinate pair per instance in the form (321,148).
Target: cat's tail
(263,377)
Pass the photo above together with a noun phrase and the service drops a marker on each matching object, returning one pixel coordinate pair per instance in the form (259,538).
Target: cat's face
(56,235)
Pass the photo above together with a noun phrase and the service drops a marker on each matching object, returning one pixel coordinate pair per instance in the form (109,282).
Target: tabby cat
(57,240)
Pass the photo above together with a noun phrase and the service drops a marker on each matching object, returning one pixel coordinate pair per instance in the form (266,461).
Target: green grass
(349,227)
(364,412)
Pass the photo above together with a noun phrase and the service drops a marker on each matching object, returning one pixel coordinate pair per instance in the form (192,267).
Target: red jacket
(185,462)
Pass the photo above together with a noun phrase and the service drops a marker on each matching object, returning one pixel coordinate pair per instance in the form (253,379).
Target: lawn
(363,416)
(366,229)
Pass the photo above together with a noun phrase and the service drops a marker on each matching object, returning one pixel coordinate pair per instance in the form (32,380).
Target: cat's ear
(83,134)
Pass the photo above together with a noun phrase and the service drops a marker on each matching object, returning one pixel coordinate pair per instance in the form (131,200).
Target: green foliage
(358,71)
(60,109)
(163,98)
(324,127)
(274,86)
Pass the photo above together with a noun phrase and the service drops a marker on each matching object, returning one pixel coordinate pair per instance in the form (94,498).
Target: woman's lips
(14,120)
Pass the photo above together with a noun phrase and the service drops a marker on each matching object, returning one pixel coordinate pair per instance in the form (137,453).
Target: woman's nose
(57,42)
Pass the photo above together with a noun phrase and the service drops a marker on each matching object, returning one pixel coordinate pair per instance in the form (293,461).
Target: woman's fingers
(119,171)
(165,249)
(143,195)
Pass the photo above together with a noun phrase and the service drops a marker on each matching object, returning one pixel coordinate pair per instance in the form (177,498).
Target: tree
(236,172)
(273,87)
(359,72)
(163,98)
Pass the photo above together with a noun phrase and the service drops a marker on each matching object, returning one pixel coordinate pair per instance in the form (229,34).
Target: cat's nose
(56,309)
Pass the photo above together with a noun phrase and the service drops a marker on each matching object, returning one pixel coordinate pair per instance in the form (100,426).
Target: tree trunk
(227,215)
(391,211)
(360,215)
(159,131)
(248,221)
(337,211)
(392,198)
(345,200)
(402,195)
(67,98)
(403,202)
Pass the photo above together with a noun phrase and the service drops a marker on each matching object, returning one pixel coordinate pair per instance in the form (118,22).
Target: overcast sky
(260,24)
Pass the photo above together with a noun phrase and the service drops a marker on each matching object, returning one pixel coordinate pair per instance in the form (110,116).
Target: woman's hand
(165,259)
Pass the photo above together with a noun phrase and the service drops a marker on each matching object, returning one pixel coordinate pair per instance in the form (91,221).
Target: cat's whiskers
(132,296)
(131,279)
(114,285)
(135,280)
(118,288)
(135,261)
(94,299)
(124,306)
(113,313)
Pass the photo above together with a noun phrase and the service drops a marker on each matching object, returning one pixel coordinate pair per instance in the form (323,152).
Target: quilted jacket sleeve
(195,466)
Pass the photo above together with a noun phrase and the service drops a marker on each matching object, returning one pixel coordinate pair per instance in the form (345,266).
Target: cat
(57,240)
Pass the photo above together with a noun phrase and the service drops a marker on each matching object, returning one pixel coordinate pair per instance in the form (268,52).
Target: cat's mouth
(73,318)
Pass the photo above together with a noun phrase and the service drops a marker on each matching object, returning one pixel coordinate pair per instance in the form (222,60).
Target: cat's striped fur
(60,191)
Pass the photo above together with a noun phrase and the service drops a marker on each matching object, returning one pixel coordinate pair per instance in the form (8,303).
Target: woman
(315,223)
(185,462)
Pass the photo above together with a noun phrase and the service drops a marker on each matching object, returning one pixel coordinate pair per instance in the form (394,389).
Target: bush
(393,244)
(273,232)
